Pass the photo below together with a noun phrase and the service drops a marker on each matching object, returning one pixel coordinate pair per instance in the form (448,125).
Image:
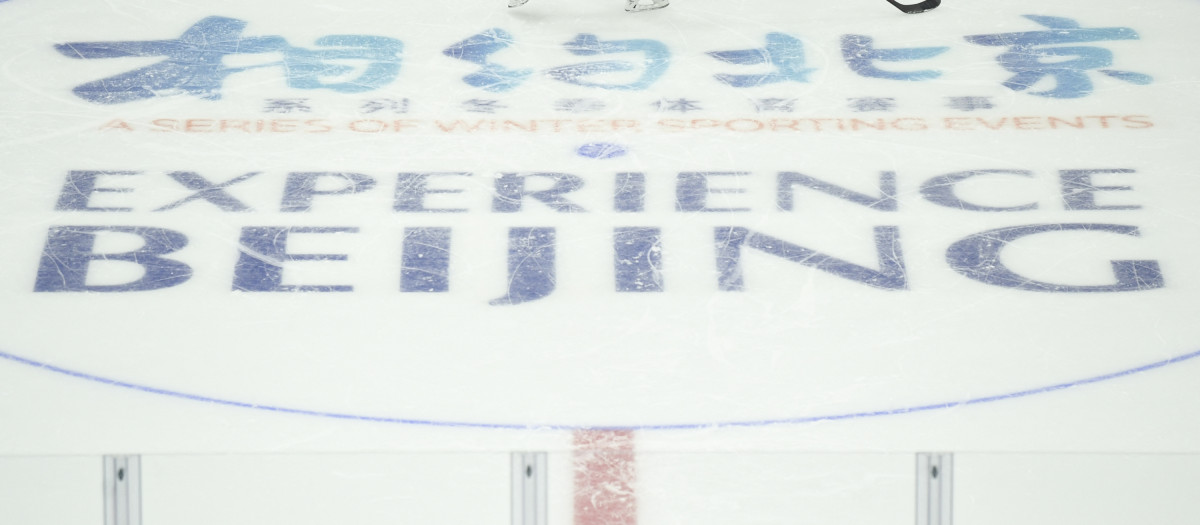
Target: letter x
(206,190)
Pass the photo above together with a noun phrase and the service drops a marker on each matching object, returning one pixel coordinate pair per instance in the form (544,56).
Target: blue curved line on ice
(513,426)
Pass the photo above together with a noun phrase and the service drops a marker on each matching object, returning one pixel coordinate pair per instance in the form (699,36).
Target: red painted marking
(605,473)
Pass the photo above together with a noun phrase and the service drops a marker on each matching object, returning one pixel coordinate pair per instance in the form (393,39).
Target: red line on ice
(605,474)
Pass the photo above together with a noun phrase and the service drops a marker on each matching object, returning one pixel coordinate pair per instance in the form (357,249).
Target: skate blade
(634,6)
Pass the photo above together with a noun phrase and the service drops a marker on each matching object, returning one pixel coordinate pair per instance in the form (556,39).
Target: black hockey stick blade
(916,8)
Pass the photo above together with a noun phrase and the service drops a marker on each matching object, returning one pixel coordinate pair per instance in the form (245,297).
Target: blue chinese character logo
(655,59)
(1032,60)
(784,53)
(193,63)
(491,76)
(860,54)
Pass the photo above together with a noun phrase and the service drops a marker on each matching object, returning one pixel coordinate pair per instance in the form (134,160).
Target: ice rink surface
(741,260)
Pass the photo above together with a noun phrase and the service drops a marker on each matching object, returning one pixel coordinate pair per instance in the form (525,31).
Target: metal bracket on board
(529,488)
(122,490)
(935,488)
